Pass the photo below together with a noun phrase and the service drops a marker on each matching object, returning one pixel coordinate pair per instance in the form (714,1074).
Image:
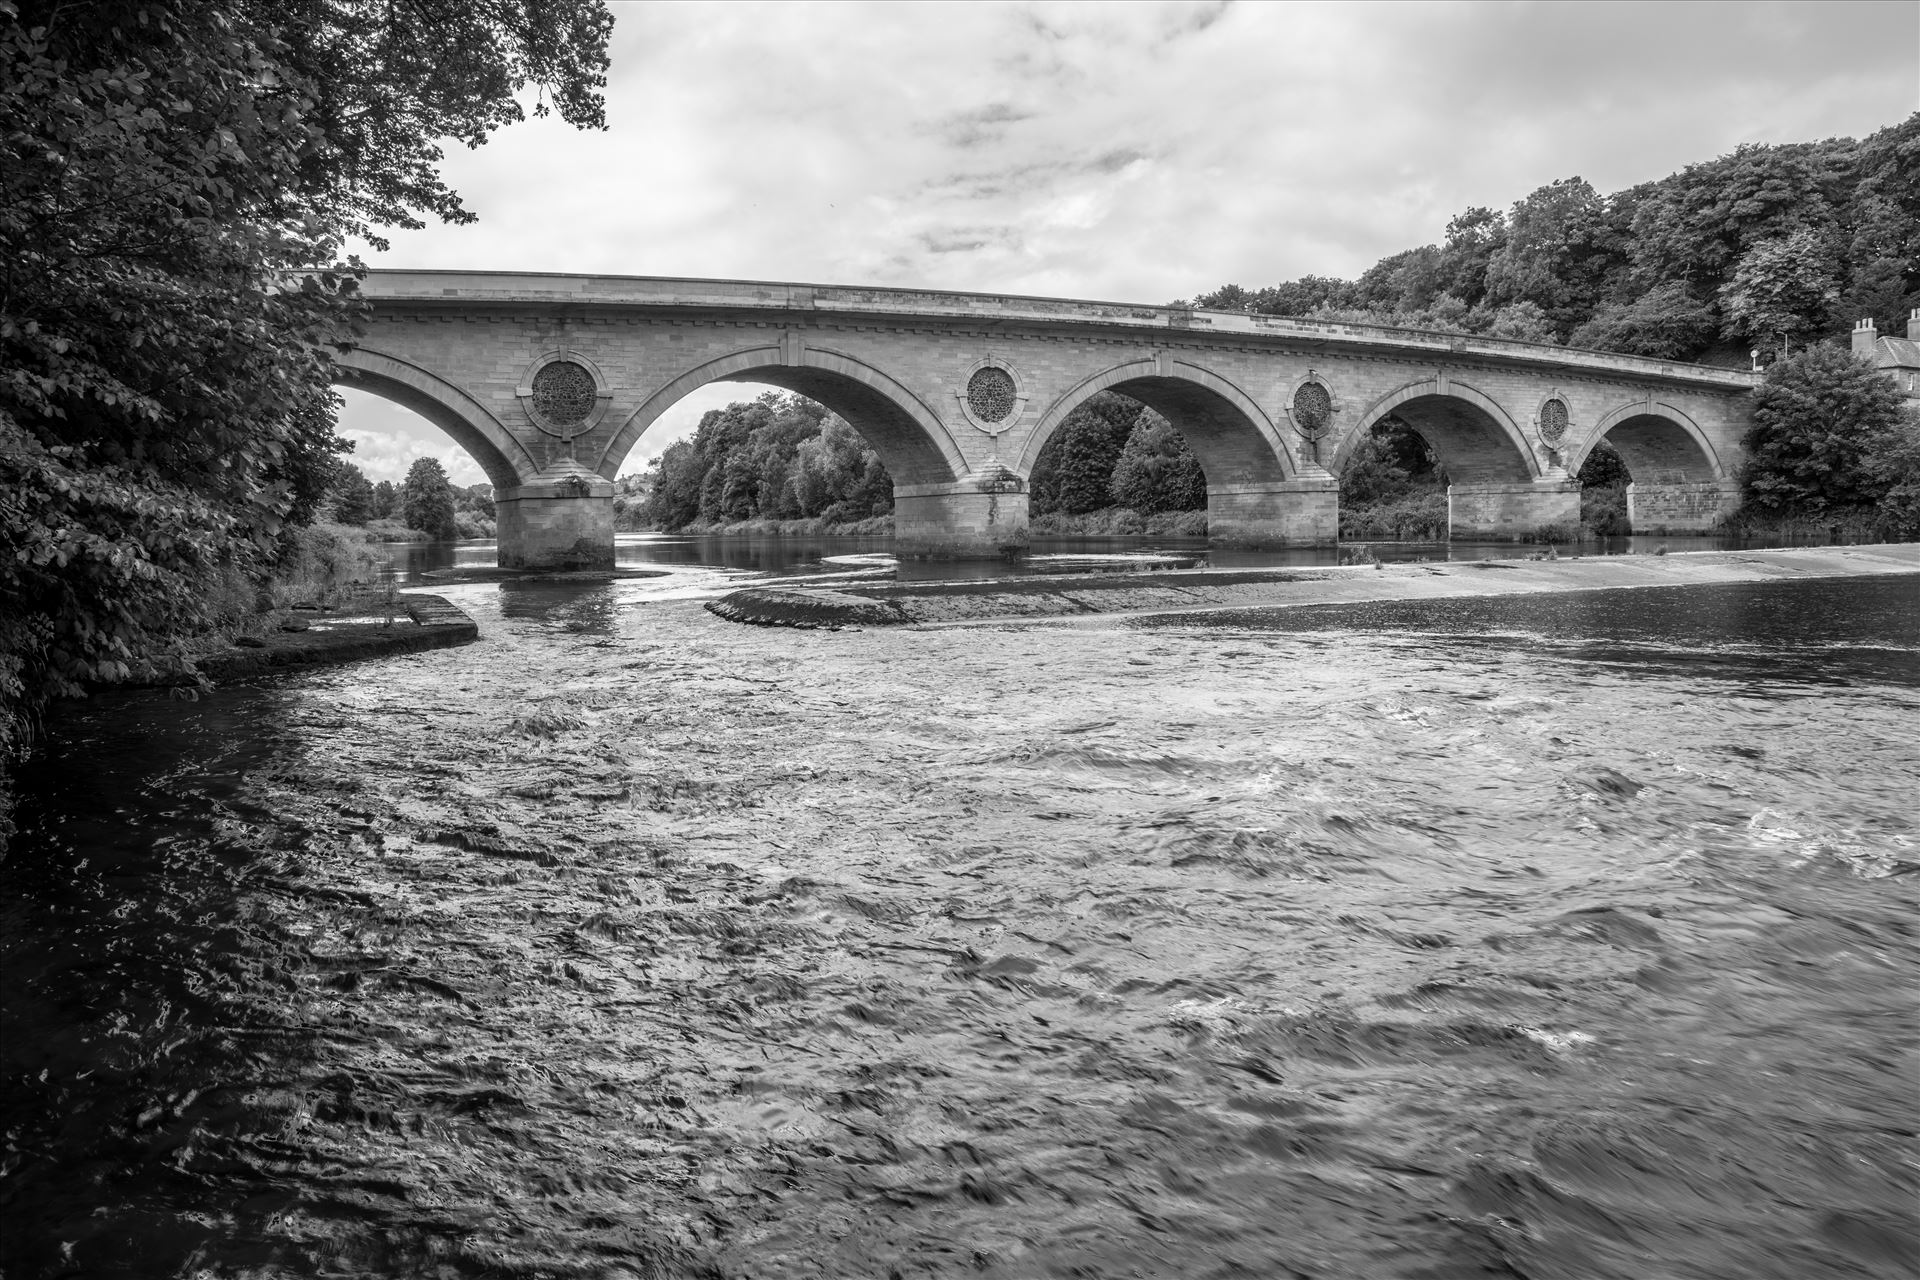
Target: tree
(352,496)
(1523,321)
(1782,291)
(1075,468)
(1392,462)
(427,499)
(386,500)
(177,181)
(1878,293)
(674,500)
(1667,323)
(1697,225)
(1893,466)
(1818,418)
(1156,471)
(1604,467)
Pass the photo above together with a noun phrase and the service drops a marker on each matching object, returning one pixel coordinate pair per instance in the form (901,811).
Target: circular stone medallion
(1553,421)
(1312,409)
(563,393)
(990,394)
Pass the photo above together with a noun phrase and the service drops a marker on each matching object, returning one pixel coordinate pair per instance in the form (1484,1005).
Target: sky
(1132,152)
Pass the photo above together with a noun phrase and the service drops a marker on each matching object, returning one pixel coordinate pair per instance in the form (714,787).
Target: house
(1898,358)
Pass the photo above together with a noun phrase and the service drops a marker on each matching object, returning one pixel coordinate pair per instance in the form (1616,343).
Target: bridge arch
(911,440)
(500,454)
(1476,440)
(1234,440)
(1659,443)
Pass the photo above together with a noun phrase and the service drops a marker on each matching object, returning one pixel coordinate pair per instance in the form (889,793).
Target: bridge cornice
(438,293)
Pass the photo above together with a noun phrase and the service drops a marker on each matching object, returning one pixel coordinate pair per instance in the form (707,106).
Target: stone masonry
(1273,408)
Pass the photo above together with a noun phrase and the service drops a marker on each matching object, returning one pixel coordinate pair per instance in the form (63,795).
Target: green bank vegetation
(424,507)
(177,185)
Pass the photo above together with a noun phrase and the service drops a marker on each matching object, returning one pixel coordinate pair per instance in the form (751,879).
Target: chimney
(1866,341)
(1913,325)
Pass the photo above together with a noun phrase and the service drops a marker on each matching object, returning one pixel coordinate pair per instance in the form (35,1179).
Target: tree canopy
(1823,424)
(780,457)
(178,182)
(426,498)
(1767,244)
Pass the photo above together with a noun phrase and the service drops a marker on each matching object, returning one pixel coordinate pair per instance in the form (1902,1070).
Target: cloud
(1141,151)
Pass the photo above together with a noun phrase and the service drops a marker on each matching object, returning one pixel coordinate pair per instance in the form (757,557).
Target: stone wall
(1512,511)
(1679,507)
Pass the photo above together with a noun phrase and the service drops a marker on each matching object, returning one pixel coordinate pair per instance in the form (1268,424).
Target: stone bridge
(548,381)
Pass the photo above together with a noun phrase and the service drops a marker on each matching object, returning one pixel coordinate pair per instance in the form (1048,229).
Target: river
(1559,936)
(784,555)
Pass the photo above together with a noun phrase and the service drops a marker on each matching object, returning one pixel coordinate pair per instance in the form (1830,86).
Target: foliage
(1391,463)
(1603,481)
(427,499)
(779,457)
(176,184)
(1156,471)
(1393,486)
(1893,466)
(1782,289)
(1823,421)
(352,495)
(1120,522)
(1558,247)
(1793,239)
(1417,516)
(1666,323)
(1073,473)
(386,500)
(98,560)
(1603,510)
(1603,467)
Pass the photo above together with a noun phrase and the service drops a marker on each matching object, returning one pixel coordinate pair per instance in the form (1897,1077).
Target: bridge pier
(1513,510)
(1679,506)
(1301,512)
(562,519)
(978,519)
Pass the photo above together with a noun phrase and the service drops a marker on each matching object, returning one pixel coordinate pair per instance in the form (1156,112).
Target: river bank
(368,626)
(1064,598)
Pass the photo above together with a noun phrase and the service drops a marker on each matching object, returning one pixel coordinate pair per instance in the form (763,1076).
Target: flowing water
(789,554)
(1566,936)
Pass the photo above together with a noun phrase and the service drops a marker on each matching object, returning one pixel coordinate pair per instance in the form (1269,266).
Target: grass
(813,526)
(1119,522)
(1417,517)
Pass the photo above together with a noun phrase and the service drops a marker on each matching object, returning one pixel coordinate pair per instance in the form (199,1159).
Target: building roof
(1896,353)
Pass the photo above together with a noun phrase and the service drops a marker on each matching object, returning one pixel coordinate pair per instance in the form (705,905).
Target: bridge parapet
(457,290)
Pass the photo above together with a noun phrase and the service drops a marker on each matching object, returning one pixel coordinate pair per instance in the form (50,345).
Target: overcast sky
(1137,151)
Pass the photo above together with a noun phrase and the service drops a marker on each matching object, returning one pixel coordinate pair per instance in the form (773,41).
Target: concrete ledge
(431,623)
(1084,597)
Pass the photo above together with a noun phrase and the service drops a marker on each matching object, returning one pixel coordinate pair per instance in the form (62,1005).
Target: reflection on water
(1557,937)
(812,555)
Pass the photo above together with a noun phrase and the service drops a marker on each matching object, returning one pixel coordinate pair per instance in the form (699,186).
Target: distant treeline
(1768,246)
(424,505)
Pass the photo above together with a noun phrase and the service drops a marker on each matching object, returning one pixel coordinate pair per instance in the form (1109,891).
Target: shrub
(1817,419)
(1156,471)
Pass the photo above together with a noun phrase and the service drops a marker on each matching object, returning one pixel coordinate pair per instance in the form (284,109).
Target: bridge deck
(467,290)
